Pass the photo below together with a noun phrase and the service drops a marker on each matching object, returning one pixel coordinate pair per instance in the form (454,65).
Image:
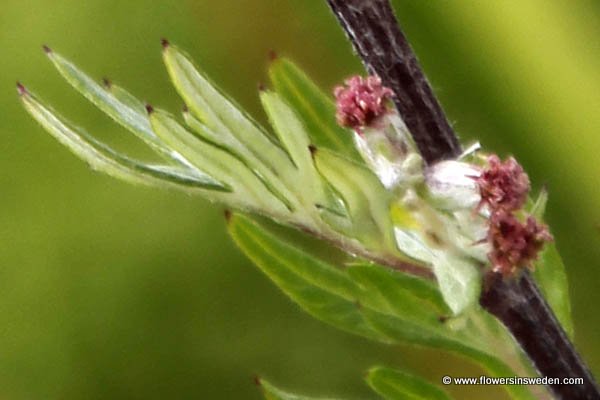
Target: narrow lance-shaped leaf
(289,130)
(126,115)
(394,385)
(248,190)
(237,150)
(399,294)
(125,97)
(367,201)
(293,136)
(315,108)
(221,114)
(219,139)
(317,287)
(104,159)
(343,300)
(298,274)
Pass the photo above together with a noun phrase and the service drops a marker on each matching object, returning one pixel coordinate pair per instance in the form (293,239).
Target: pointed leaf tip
(21,89)
(47,49)
(164,43)
(149,109)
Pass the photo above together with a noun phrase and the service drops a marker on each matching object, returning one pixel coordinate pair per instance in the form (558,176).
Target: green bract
(396,286)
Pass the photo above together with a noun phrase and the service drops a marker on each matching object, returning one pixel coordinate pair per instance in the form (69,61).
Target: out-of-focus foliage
(111,291)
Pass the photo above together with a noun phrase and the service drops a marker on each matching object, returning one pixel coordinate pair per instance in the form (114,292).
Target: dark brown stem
(518,303)
(377,38)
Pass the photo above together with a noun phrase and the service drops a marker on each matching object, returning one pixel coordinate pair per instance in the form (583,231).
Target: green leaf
(398,385)
(323,289)
(317,287)
(314,107)
(551,276)
(362,301)
(234,129)
(405,308)
(288,128)
(104,159)
(459,280)
(248,191)
(293,136)
(469,347)
(399,329)
(125,97)
(272,393)
(458,277)
(367,201)
(238,151)
(399,294)
(127,115)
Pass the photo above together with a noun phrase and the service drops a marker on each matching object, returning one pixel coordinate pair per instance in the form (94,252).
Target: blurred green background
(113,291)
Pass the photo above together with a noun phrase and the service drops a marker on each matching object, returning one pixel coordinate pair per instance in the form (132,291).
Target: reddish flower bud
(515,244)
(361,101)
(503,185)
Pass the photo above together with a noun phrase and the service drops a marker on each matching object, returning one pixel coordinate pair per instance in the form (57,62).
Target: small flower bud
(515,244)
(503,185)
(450,185)
(361,101)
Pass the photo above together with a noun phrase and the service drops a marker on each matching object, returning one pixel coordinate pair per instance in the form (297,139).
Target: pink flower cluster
(515,244)
(361,101)
(504,187)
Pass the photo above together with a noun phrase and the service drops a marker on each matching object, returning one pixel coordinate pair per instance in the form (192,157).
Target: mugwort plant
(444,248)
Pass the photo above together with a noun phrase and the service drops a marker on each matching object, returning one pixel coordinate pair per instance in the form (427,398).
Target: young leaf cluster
(306,174)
